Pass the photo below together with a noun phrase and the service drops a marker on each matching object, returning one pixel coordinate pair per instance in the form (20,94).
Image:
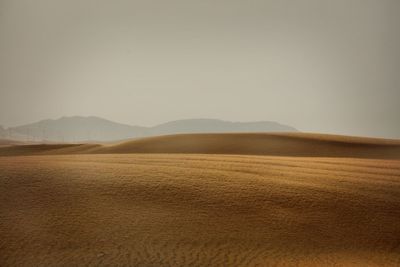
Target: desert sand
(8,142)
(270,144)
(156,203)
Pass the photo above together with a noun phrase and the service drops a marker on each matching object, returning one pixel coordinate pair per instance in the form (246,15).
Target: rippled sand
(198,210)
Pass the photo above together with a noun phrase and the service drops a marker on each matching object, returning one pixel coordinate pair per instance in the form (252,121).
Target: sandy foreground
(198,210)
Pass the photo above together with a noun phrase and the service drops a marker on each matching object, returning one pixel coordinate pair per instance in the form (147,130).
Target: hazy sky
(322,66)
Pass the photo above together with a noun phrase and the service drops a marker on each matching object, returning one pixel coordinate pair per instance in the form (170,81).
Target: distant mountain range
(83,129)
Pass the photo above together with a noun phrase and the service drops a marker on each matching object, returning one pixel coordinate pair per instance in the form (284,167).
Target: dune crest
(272,144)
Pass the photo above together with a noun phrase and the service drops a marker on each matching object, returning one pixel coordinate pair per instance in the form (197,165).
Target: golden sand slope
(278,144)
(198,210)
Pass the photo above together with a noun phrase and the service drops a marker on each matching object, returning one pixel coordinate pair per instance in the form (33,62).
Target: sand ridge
(273,144)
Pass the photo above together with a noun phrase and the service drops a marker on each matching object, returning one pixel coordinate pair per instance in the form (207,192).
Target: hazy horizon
(318,66)
(133,124)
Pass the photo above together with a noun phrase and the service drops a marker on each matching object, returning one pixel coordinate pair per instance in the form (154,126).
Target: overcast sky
(320,66)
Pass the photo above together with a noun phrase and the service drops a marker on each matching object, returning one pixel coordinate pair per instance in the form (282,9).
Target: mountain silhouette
(80,129)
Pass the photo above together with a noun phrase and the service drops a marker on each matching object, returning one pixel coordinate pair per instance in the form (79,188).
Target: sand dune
(8,142)
(198,210)
(270,200)
(278,144)
(49,149)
